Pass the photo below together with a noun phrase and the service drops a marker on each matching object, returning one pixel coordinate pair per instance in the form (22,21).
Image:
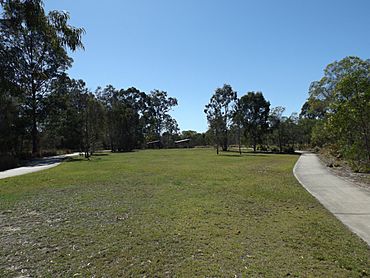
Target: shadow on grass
(233,153)
(75,159)
(43,162)
(226,154)
(93,158)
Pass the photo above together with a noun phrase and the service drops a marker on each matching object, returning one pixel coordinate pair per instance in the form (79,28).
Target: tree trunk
(225,142)
(217,141)
(239,141)
(280,143)
(34,122)
(87,139)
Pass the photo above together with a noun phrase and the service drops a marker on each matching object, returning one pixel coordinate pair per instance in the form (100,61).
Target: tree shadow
(233,153)
(74,159)
(43,161)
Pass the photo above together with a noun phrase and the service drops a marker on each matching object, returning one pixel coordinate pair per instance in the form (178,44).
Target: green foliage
(64,114)
(288,133)
(254,110)
(38,45)
(196,138)
(219,113)
(345,92)
(159,119)
(276,127)
(124,111)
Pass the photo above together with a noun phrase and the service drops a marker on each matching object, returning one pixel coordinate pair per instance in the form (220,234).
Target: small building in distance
(184,143)
(154,144)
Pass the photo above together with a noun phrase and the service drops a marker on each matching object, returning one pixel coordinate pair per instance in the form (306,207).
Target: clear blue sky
(189,48)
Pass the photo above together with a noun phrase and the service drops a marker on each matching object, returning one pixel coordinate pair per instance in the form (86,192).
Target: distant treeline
(43,110)
(336,117)
(250,121)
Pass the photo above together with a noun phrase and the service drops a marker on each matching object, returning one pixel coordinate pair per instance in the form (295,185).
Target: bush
(288,149)
(262,148)
(359,166)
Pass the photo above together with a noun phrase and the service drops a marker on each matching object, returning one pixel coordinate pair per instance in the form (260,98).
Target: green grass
(171,213)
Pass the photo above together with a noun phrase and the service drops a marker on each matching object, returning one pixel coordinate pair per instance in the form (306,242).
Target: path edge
(314,195)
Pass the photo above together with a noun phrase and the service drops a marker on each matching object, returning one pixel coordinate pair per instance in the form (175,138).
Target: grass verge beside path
(172,213)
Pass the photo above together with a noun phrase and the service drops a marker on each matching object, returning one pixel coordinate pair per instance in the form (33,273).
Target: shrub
(289,149)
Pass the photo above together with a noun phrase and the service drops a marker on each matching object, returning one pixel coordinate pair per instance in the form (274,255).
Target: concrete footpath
(36,165)
(348,202)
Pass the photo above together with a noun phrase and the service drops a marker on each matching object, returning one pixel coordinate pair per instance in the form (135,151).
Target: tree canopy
(254,111)
(219,113)
(37,44)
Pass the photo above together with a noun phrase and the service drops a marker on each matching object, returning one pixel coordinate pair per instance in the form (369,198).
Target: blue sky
(189,48)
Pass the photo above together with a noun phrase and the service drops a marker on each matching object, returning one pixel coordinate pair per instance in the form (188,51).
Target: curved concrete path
(348,202)
(36,165)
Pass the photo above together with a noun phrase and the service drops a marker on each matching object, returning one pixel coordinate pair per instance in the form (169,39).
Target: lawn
(171,213)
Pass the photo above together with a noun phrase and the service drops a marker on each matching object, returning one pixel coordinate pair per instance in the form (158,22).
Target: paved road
(348,202)
(36,165)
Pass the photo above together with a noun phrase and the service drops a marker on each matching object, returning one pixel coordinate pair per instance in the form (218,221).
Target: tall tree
(237,119)
(344,92)
(219,113)
(62,114)
(93,123)
(74,117)
(11,123)
(126,116)
(39,44)
(277,128)
(255,111)
(158,117)
(351,120)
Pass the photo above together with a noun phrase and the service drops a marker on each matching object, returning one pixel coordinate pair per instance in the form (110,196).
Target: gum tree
(39,43)
(219,113)
(255,112)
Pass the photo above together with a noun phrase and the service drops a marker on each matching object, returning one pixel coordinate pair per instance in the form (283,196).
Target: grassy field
(171,213)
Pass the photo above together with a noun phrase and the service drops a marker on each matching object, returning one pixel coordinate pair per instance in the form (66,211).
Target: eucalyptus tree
(255,112)
(158,117)
(38,42)
(73,117)
(62,114)
(123,120)
(93,123)
(350,121)
(344,93)
(237,119)
(12,124)
(276,125)
(219,113)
